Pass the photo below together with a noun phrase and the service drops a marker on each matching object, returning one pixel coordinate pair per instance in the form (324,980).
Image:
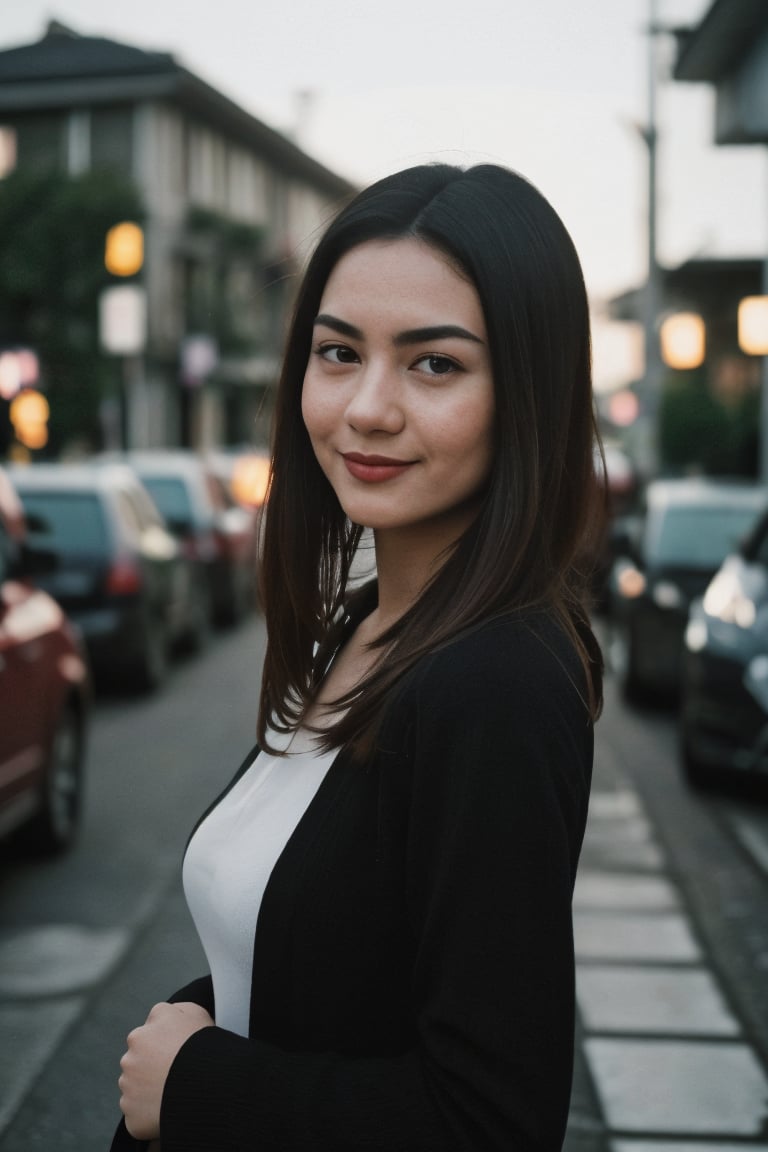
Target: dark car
(215,532)
(724,713)
(667,557)
(119,572)
(45,694)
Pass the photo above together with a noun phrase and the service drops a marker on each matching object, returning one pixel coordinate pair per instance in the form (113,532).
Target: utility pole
(653,364)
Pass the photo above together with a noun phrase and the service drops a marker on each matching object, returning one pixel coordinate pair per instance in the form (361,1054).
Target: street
(671,923)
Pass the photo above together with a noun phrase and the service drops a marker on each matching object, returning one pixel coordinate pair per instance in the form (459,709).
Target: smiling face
(398,395)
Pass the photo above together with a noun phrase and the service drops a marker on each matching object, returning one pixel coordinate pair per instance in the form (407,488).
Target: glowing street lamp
(683,340)
(753,325)
(124,249)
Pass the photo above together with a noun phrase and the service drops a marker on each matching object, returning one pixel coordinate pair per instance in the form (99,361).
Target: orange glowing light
(250,478)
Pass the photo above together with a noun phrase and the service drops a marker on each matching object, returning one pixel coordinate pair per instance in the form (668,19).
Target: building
(729,49)
(230,210)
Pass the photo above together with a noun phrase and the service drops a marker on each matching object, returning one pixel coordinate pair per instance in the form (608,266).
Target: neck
(405,563)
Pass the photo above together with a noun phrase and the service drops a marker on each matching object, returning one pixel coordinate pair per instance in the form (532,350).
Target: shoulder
(510,657)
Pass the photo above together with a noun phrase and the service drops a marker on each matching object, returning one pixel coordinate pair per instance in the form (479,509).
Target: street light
(124,249)
(123,327)
(682,337)
(753,325)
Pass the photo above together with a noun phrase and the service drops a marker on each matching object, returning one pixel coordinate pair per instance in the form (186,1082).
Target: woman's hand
(152,1048)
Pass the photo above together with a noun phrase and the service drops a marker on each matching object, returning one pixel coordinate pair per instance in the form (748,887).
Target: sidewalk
(663,1064)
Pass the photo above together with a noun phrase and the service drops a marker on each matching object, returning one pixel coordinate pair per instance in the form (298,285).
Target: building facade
(231,209)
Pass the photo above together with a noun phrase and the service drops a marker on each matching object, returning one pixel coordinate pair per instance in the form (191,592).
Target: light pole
(652,302)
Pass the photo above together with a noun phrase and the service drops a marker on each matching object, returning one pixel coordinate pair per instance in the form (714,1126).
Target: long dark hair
(526,548)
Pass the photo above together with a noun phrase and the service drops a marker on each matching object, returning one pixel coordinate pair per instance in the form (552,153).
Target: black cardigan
(413,975)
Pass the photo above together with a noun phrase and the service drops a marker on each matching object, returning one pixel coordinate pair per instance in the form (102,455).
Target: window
(41,142)
(702,537)
(67,522)
(172,498)
(112,139)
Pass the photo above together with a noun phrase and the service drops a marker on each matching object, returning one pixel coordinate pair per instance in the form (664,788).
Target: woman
(409,832)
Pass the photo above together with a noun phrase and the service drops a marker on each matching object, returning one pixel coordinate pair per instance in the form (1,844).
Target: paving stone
(57,959)
(632,830)
(618,855)
(683,1146)
(600,890)
(660,1000)
(694,1088)
(663,937)
(612,805)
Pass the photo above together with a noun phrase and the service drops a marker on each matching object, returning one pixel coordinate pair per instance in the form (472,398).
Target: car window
(699,537)
(145,507)
(129,515)
(172,498)
(66,522)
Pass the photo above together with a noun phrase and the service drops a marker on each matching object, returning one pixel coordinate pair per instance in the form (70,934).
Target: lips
(374,469)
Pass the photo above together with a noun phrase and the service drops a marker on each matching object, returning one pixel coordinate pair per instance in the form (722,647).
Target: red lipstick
(374,469)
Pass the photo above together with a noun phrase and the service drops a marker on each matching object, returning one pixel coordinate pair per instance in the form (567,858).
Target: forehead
(405,275)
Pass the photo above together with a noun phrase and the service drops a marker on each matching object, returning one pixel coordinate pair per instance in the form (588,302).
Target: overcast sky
(553,88)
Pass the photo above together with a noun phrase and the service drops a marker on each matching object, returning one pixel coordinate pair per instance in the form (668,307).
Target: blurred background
(164,172)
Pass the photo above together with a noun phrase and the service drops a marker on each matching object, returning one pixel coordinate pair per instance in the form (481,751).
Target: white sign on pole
(123,319)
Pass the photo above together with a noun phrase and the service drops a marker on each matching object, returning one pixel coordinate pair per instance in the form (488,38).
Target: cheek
(312,408)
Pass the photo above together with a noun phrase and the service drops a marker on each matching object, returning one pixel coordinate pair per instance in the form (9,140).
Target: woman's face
(398,395)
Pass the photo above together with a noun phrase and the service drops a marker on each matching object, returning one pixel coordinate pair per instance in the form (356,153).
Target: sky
(556,89)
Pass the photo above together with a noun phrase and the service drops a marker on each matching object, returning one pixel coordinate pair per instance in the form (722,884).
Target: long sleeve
(200,992)
(498,759)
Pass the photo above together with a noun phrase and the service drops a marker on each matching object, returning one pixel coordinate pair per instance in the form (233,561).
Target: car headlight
(696,634)
(667,595)
(726,600)
(631,582)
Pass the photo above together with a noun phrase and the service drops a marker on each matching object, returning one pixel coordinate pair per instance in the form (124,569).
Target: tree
(698,431)
(52,230)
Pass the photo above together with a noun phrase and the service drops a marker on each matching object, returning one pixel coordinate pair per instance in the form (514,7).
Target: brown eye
(437,365)
(337,354)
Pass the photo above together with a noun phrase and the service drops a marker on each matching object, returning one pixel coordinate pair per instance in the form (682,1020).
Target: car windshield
(171,497)
(700,537)
(66,522)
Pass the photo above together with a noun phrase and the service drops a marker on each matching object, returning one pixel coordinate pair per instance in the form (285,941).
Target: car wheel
(55,826)
(152,667)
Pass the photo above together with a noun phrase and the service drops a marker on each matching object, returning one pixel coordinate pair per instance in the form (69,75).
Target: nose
(376,404)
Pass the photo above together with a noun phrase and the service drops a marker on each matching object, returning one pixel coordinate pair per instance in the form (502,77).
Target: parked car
(216,533)
(667,557)
(724,712)
(245,472)
(119,572)
(45,693)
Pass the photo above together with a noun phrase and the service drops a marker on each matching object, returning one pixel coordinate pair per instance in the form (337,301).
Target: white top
(230,859)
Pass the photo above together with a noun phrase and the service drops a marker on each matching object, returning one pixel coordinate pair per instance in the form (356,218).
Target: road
(671,918)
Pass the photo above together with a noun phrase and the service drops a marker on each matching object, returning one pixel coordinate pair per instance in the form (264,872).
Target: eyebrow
(411,336)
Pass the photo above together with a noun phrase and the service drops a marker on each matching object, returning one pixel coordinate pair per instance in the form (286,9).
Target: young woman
(384,890)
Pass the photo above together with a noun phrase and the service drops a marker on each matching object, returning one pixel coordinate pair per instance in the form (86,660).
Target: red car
(44,697)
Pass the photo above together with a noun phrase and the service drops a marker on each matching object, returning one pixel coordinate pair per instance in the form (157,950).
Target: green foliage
(698,431)
(231,238)
(52,231)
